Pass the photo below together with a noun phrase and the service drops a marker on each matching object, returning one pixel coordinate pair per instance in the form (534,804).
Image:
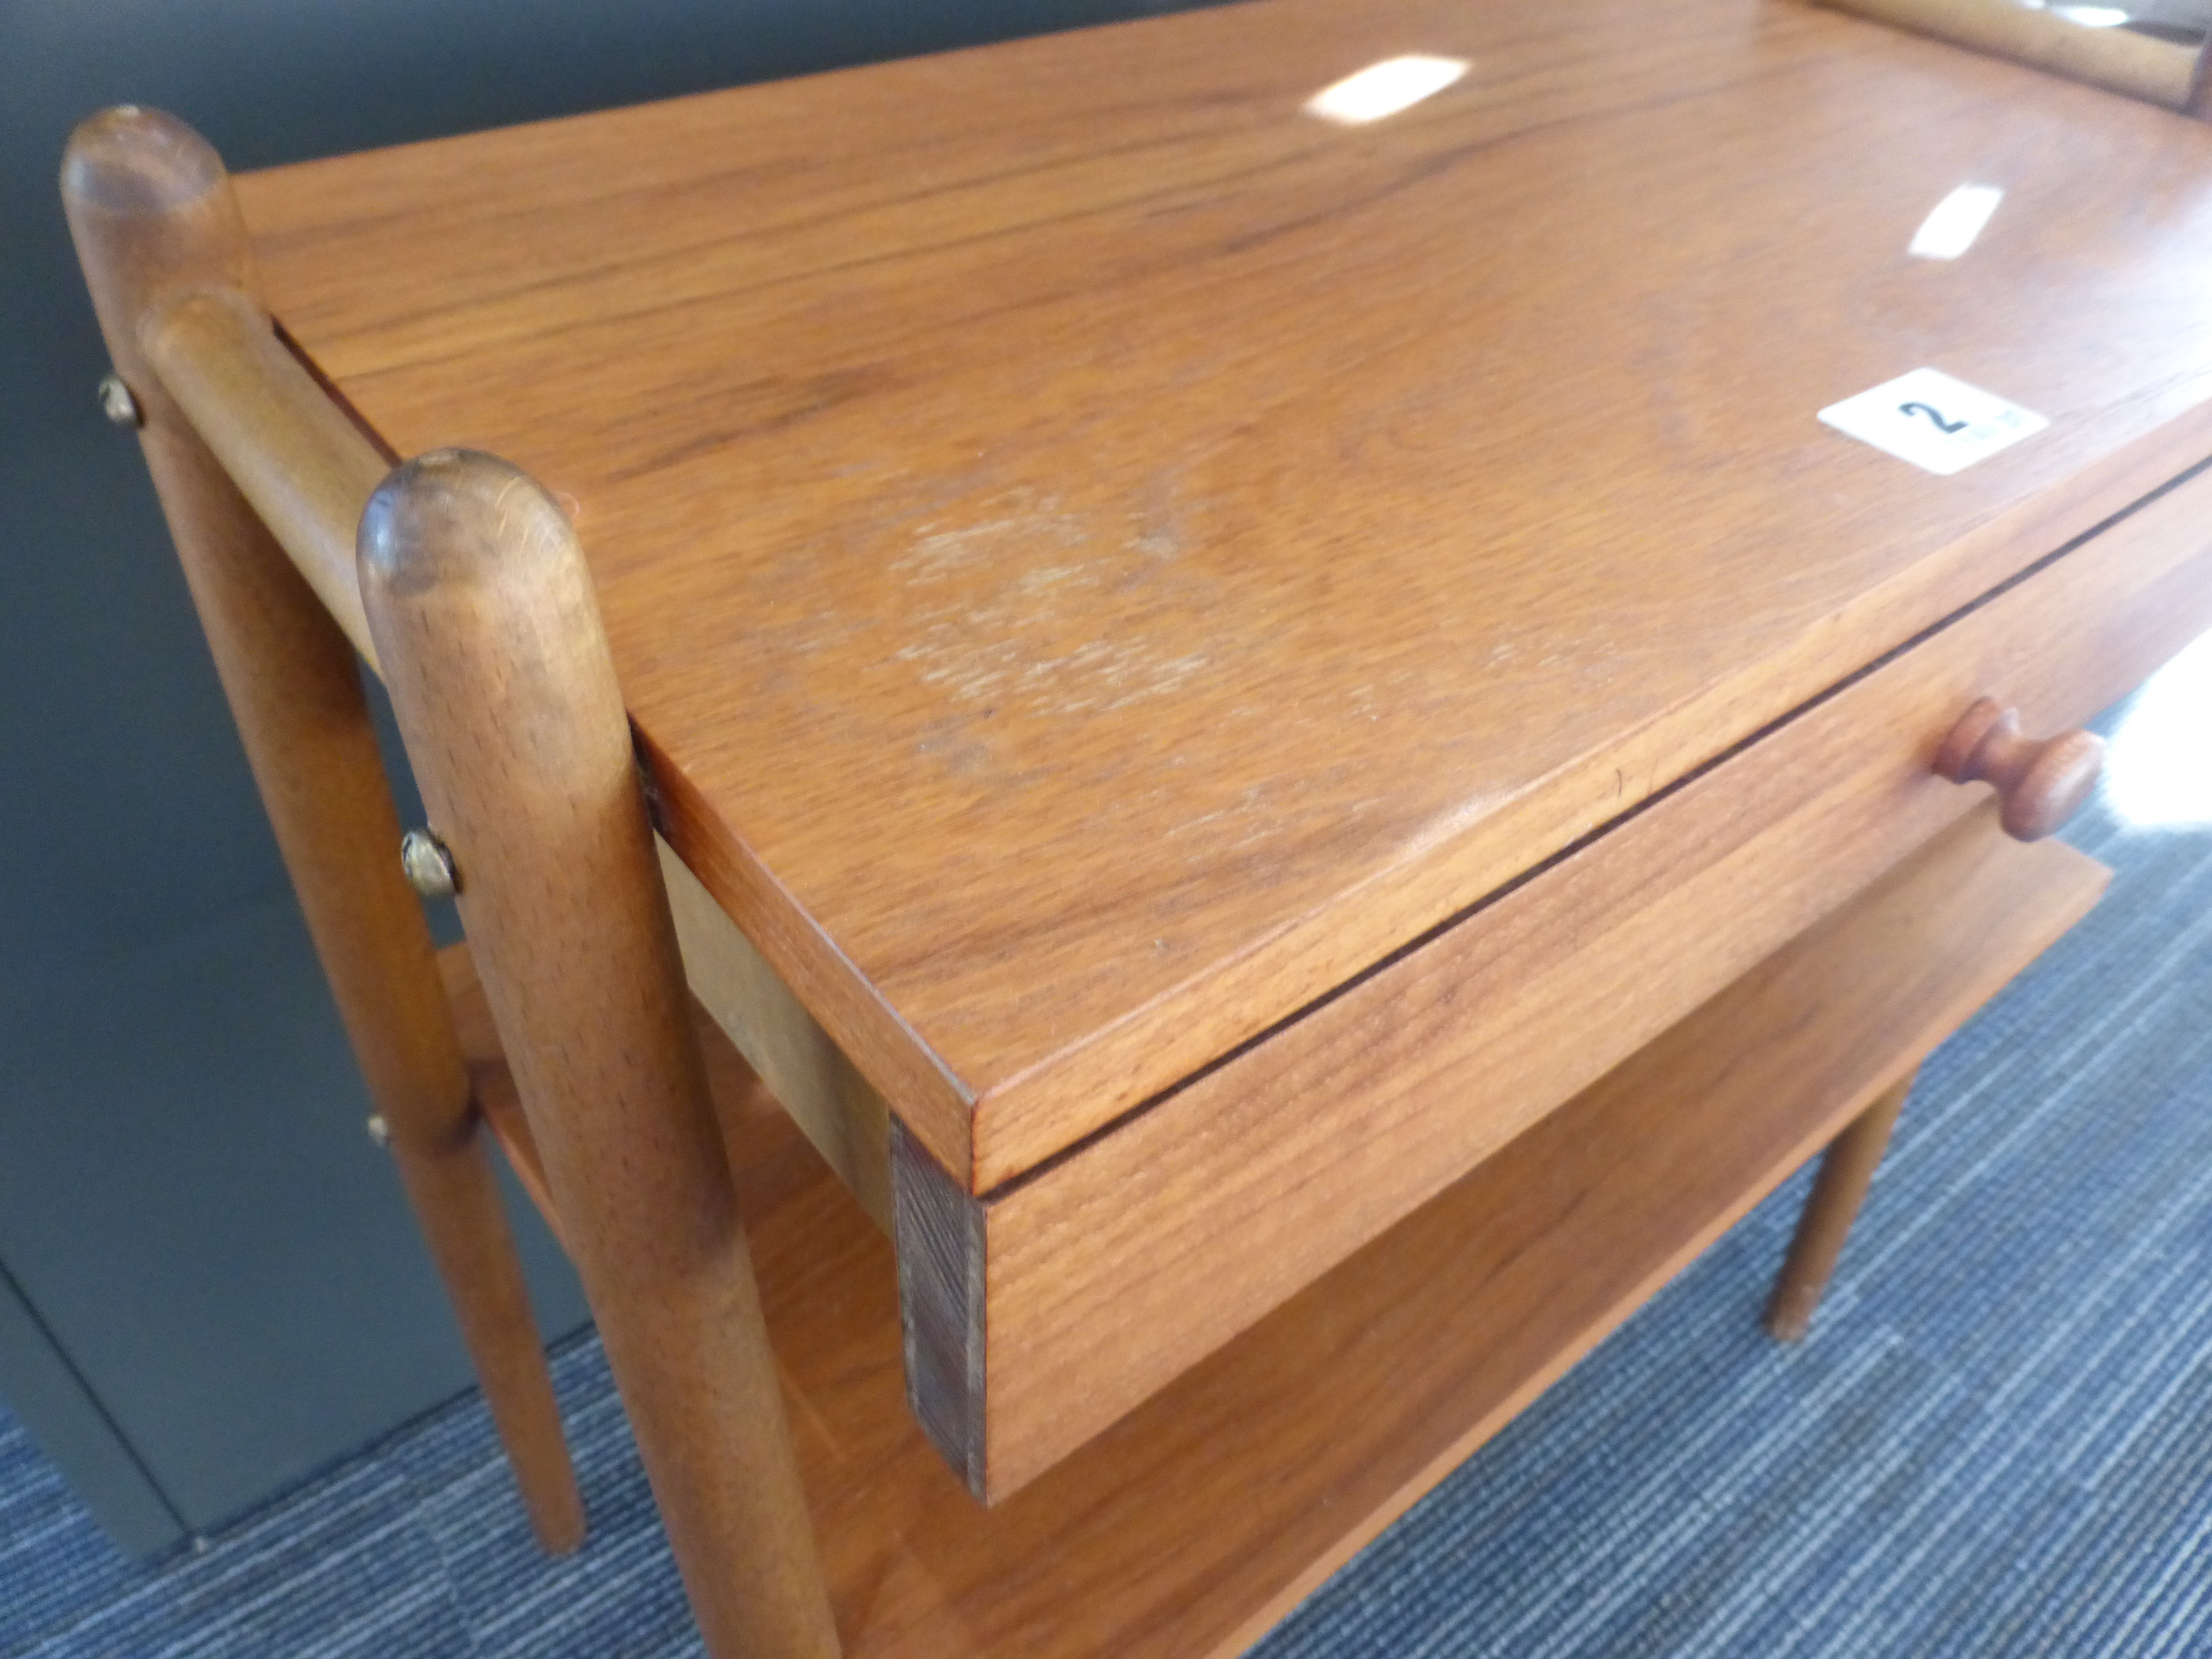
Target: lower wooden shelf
(1200,1519)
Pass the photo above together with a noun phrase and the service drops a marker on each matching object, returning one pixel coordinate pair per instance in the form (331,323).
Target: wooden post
(484,617)
(1846,1171)
(153,214)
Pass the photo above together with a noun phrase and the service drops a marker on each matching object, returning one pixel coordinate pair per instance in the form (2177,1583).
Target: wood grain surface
(1198,1521)
(1110,1270)
(1099,557)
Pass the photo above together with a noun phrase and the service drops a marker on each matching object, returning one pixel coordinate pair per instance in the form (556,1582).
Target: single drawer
(1039,1313)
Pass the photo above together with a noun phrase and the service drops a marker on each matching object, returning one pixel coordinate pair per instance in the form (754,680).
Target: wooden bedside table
(1251,711)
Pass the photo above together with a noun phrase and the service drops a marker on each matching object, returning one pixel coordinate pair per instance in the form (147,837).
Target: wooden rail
(2119,59)
(306,468)
(308,471)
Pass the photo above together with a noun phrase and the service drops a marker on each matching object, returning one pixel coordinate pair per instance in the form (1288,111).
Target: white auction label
(1934,422)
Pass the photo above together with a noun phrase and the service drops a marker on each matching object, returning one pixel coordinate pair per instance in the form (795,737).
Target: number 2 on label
(1933,414)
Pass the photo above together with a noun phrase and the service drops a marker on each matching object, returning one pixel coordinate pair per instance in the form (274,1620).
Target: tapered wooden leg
(152,213)
(483,617)
(1846,1170)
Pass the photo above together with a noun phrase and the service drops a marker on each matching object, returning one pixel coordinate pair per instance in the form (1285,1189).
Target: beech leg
(482,614)
(1846,1170)
(153,215)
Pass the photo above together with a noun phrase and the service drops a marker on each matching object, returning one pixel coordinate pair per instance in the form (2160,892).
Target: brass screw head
(117,403)
(428,865)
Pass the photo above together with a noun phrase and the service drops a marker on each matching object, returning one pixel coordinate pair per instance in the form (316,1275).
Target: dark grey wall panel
(185,1195)
(188,1199)
(37,1379)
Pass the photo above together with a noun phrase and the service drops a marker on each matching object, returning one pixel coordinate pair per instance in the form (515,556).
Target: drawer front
(1075,1292)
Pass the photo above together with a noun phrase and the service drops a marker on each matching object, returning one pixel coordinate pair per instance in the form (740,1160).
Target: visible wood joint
(941,1264)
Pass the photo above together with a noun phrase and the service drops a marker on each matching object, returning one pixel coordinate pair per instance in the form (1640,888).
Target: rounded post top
(153,214)
(133,162)
(461,515)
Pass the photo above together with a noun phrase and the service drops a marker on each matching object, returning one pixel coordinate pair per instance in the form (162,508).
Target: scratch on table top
(1041,608)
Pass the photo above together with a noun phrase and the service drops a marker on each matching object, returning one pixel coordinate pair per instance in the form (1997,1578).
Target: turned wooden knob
(2041,784)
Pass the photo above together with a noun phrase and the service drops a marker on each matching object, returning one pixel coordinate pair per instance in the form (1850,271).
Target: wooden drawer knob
(2041,784)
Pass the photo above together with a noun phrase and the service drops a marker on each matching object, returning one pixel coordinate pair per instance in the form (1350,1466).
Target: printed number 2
(1941,425)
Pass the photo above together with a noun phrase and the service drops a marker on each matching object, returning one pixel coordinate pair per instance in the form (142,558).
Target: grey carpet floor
(1998,1442)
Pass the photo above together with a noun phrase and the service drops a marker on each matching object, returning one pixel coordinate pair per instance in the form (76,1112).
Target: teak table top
(1100,556)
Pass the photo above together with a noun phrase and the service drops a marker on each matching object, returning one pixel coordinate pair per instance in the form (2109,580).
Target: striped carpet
(1998,1442)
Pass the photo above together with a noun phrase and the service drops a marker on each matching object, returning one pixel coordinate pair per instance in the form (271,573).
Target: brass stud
(117,403)
(428,865)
